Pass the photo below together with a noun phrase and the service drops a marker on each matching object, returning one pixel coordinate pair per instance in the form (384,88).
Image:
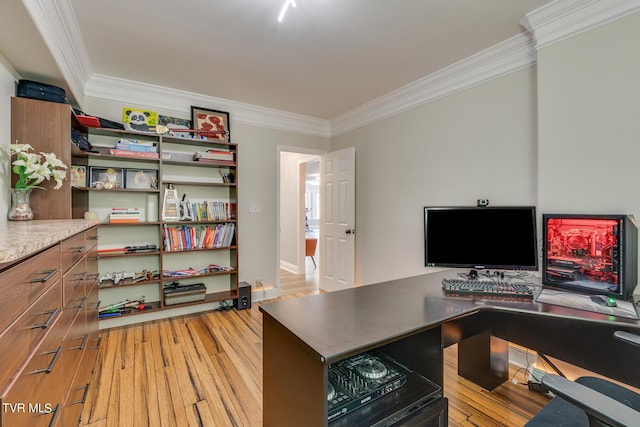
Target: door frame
(279,150)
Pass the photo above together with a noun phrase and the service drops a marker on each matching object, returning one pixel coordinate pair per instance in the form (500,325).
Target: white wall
(257,182)
(589,121)
(8,77)
(478,143)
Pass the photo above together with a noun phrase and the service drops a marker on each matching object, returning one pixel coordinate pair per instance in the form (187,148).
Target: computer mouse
(604,300)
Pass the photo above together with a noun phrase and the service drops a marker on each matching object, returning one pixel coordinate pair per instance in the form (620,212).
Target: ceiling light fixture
(285,6)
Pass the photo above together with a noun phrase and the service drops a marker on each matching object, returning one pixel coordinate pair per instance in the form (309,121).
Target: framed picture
(139,120)
(106,178)
(78,176)
(143,179)
(211,120)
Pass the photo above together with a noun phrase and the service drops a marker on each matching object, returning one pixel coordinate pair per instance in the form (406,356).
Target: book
(136,147)
(128,153)
(213,155)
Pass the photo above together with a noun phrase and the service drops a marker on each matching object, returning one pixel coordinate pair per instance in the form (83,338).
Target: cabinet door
(46,126)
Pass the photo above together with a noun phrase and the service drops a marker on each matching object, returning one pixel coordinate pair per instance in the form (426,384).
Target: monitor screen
(590,253)
(481,237)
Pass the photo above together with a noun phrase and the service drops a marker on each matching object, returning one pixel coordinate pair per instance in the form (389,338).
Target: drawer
(19,340)
(74,344)
(91,238)
(36,396)
(22,284)
(78,391)
(74,291)
(71,250)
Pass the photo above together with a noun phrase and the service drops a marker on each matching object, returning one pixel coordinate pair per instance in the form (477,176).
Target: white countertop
(19,239)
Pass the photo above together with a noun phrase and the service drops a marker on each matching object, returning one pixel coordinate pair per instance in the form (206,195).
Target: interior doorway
(299,209)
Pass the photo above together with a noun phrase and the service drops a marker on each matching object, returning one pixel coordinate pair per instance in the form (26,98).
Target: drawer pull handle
(49,368)
(48,275)
(84,396)
(52,315)
(82,344)
(97,346)
(81,303)
(78,249)
(54,417)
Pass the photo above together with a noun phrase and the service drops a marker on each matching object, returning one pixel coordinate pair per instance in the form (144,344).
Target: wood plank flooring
(206,370)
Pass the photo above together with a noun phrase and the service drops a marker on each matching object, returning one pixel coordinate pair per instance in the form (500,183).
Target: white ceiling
(326,58)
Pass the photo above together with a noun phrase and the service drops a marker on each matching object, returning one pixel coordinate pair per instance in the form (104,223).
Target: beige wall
(478,143)
(589,121)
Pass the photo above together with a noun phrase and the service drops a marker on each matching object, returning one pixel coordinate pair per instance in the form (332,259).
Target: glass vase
(20,208)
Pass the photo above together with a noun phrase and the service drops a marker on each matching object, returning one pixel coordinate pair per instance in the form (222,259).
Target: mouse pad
(583,302)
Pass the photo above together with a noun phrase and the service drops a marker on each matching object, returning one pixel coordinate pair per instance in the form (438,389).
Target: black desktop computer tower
(244,297)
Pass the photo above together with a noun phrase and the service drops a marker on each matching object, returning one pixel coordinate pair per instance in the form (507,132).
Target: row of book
(210,210)
(187,237)
(124,215)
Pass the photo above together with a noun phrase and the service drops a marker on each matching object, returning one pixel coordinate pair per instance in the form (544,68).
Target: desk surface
(339,324)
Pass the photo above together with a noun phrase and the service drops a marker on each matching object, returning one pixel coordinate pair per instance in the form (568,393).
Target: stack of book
(135,148)
(124,215)
(214,156)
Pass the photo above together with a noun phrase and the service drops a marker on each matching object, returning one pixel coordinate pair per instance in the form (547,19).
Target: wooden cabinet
(44,126)
(46,328)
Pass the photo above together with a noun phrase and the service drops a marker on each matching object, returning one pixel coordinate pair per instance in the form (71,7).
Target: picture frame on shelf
(204,119)
(78,176)
(106,178)
(142,179)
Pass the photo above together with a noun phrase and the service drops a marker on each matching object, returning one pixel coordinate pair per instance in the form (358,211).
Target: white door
(337,220)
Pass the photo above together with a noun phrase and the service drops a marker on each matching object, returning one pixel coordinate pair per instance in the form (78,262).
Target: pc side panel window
(583,253)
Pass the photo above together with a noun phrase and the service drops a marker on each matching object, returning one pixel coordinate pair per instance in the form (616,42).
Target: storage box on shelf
(200,250)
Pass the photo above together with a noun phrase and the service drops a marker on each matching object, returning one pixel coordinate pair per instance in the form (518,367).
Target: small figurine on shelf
(185,209)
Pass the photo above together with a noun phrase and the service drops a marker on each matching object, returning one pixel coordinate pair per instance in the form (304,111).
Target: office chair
(589,401)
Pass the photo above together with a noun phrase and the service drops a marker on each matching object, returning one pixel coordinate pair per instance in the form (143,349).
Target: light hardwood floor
(206,370)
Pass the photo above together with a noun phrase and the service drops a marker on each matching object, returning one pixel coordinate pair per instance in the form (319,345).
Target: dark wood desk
(412,321)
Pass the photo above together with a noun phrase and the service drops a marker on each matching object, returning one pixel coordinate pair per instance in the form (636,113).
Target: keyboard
(486,287)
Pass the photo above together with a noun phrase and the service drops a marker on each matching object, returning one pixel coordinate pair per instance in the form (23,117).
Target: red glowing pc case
(595,254)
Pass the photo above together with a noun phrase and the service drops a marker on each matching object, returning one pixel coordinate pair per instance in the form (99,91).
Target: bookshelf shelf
(173,163)
(86,198)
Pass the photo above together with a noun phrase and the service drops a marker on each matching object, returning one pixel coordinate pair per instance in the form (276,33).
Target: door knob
(350,231)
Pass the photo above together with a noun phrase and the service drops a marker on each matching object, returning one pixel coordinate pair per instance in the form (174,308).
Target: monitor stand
(584,302)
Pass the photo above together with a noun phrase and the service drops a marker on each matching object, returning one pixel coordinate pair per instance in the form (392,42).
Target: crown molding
(503,58)
(562,19)
(59,29)
(177,102)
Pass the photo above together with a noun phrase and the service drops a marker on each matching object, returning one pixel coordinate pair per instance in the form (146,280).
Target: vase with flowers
(32,169)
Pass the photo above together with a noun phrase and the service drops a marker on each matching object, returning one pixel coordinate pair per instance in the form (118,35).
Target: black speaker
(244,297)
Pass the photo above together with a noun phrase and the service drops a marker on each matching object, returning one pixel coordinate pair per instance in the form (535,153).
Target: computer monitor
(592,254)
(481,237)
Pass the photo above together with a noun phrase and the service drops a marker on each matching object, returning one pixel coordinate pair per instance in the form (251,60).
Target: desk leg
(484,360)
